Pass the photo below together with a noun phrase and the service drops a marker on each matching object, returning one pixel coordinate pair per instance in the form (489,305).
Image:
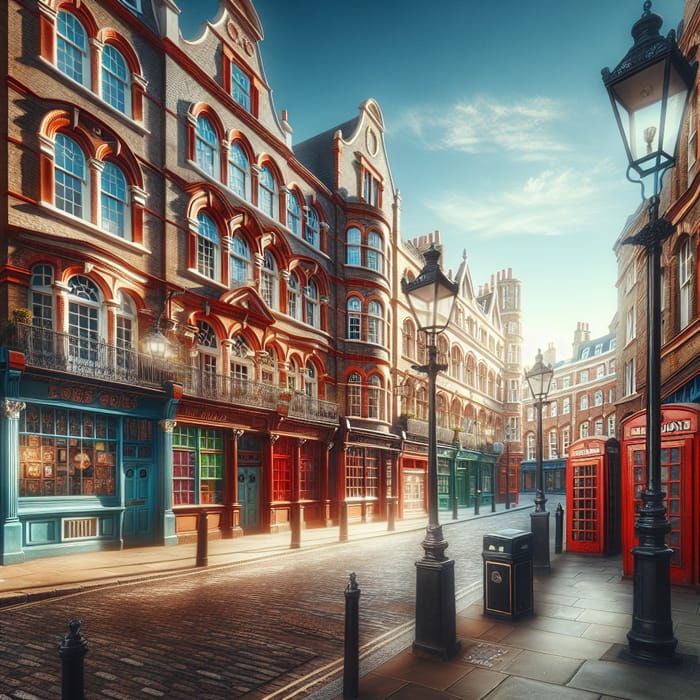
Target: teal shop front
(92,469)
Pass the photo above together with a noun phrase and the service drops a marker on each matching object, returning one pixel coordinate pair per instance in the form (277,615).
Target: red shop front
(680,480)
(593,496)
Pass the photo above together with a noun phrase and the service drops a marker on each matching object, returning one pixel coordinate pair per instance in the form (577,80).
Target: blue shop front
(87,465)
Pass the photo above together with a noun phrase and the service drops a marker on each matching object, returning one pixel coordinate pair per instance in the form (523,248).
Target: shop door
(137,499)
(248,478)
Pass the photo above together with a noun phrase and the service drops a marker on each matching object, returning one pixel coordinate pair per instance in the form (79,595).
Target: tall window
(598,398)
(207,347)
(198,464)
(630,378)
(375,323)
(72,48)
(115,79)
(370,189)
(240,87)
(42,296)
(311,304)
(84,307)
(354,398)
(565,440)
(239,171)
(584,402)
(354,319)
(566,406)
(631,324)
(293,214)
(584,429)
(353,248)
(685,269)
(70,177)
(312,229)
(269,288)
(207,146)
(239,261)
(375,252)
(552,446)
(374,398)
(611,424)
(530,446)
(294,297)
(207,246)
(408,340)
(311,381)
(126,326)
(115,202)
(267,192)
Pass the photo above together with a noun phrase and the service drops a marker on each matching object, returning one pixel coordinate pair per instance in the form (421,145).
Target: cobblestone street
(245,631)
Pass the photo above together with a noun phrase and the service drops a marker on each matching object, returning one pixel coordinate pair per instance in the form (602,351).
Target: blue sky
(499,130)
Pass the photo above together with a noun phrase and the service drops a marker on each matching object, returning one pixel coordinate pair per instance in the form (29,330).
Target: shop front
(86,467)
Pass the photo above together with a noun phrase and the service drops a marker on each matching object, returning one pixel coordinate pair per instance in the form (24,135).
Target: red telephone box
(680,480)
(593,496)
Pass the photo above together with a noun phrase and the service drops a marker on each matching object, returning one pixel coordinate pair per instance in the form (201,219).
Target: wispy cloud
(523,130)
(551,203)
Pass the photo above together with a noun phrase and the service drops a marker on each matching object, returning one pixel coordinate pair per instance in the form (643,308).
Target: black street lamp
(539,379)
(431,297)
(649,91)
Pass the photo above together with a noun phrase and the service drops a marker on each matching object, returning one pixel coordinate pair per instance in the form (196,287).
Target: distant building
(580,404)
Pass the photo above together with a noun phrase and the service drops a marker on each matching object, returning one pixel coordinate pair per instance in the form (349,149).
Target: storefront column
(296,514)
(167,426)
(325,496)
(232,523)
(12,552)
(268,481)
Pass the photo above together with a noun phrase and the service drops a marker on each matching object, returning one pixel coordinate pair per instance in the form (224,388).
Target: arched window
(207,246)
(312,229)
(267,192)
(354,399)
(239,172)
(293,214)
(207,348)
(84,319)
(311,381)
(375,252)
(116,89)
(470,371)
(354,319)
(241,366)
(126,332)
(71,184)
(374,398)
(42,296)
(293,376)
(269,287)
(441,410)
(72,48)
(456,363)
(294,297)
(116,218)
(375,323)
(353,248)
(408,340)
(207,146)
(311,305)
(239,261)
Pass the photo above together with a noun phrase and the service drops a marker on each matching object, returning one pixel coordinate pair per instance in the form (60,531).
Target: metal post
(202,539)
(651,635)
(436,624)
(72,650)
(507,472)
(493,487)
(558,529)
(539,520)
(391,513)
(351,668)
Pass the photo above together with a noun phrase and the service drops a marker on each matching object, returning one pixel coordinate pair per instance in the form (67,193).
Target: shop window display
(66,453)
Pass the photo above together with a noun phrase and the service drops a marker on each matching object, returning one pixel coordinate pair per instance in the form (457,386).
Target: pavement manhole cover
(484,655)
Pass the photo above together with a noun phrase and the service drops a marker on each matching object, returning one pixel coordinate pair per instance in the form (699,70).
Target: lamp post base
(539,524)
(651,637)
(436,626)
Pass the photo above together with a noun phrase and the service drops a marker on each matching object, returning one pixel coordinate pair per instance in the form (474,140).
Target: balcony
(312,410)
(61,352)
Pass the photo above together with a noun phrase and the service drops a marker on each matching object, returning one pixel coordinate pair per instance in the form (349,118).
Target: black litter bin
(508,573)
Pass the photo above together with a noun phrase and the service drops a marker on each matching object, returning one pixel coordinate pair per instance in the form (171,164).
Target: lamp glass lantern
(431,295)
(649,91)
(539,378)
(157,345)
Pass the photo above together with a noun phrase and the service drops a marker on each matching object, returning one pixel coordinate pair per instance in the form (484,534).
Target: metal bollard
(351,669)
(202,539)
(72,650)
(391,514)
(558,529)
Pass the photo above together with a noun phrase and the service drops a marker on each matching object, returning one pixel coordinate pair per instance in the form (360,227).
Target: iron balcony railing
(48,349)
